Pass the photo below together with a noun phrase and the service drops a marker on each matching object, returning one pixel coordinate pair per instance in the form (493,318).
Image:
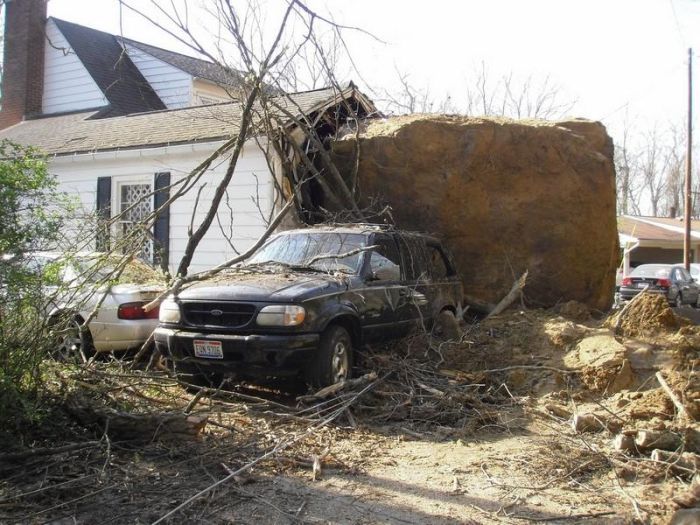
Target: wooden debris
(685,463)
(510,297)
(594,423)
(690,497)
(625,310)
(648,439)
(682,412)
(50,451)
(332,390)
(139,427)
(558,410)
(624,443)
(685,517)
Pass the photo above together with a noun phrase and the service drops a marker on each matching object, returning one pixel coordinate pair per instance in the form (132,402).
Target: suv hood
(275,287)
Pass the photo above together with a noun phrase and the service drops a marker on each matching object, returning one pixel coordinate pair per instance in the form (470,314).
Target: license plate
(641,285)
(208,349)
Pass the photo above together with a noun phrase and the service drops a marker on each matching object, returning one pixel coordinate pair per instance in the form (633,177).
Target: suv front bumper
(257,355)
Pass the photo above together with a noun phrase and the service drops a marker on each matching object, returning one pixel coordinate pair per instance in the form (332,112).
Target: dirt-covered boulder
(507,196)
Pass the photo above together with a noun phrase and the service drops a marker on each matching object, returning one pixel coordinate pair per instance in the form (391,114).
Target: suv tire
(446,326)
(333,363)
(193,377)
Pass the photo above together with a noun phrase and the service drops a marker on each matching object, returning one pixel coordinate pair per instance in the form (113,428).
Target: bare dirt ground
(476,432)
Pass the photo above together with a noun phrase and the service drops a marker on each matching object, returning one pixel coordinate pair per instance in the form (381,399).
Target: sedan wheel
(72,345)
(679,300)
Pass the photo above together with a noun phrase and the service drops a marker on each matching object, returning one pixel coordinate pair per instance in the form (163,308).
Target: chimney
(23,64)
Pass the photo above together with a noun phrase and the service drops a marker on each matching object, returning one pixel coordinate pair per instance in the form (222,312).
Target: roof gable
(193,66)
(110,67)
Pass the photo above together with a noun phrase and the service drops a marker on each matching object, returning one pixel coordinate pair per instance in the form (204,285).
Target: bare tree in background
(411,99)
(675,170)
(629,186)
(651,171)
(510,96)
(484,95)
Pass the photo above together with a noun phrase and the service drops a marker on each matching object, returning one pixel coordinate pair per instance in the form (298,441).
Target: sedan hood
(280,287)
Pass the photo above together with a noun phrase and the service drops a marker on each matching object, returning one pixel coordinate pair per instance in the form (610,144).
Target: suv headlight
(169,312)
(281,315)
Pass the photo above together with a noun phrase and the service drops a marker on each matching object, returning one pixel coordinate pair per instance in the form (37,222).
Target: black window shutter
(161,228)
(104,213)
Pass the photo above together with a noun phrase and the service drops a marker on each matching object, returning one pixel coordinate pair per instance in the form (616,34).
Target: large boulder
(506,195)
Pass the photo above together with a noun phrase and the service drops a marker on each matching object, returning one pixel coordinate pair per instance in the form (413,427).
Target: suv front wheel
(333,363)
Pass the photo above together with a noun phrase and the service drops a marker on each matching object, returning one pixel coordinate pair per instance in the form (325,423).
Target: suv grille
(230,315)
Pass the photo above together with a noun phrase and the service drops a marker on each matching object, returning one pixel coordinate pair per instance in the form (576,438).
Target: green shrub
(32,215)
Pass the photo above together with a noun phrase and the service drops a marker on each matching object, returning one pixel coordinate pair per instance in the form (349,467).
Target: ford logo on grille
(216,313)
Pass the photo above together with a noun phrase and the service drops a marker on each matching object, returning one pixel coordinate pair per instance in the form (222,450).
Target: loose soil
(472,432)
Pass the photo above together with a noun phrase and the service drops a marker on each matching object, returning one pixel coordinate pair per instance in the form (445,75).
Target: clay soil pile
(507,196)
(648,314)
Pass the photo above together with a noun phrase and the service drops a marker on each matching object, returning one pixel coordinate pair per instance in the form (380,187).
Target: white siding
(67,84)
(172,85)
(78,176)
(209,93)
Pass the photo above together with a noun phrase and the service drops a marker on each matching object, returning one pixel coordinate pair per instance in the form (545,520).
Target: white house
(120,119)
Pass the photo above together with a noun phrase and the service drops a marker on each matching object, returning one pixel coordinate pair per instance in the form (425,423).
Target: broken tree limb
(510,297)
(336,388)
(625,309)
(682,412)
(648,439)
(49,451)
(138,427)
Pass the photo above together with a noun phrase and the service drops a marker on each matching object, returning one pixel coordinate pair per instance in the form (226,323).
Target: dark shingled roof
(115,74)
(194,66)
(79,133)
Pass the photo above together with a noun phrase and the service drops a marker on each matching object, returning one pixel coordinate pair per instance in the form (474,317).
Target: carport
(645,240)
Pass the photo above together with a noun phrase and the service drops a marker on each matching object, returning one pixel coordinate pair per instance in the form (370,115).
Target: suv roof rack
(375,225)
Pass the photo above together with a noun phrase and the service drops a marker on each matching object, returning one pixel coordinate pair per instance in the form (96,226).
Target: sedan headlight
(281,315)
(169,312)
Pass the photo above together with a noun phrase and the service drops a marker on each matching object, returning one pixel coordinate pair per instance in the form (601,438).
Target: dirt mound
(602,363)
(507,196)
(574,310)
(648,314)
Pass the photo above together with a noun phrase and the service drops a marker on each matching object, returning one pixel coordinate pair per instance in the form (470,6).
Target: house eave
(142,151)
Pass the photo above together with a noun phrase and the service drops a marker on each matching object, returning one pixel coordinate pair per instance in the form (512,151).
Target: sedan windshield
(316,250)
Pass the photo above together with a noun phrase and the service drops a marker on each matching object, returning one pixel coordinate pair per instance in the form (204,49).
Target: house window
(135,205)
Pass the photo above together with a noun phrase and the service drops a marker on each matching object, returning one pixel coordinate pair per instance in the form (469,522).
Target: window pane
(385,262)
(315,249)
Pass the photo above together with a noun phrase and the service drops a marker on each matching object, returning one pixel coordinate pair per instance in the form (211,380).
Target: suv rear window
(413,252)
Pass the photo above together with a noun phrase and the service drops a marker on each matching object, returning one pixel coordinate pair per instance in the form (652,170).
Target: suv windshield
(317,250)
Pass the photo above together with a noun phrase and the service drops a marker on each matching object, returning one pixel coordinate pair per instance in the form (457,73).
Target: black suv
(307,298)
